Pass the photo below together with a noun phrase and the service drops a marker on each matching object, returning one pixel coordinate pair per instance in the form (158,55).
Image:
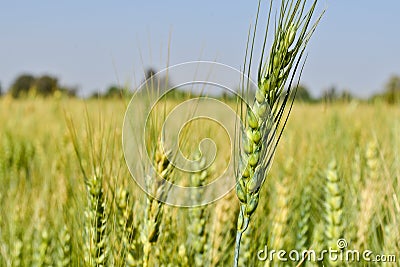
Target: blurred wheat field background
(335,175)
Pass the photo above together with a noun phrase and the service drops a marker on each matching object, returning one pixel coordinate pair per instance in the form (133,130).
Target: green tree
(46,85)
(330,95)
(68,91)
(114,91)
(303,94)
(22,85)
(346,96)
(158,83)
(392,90)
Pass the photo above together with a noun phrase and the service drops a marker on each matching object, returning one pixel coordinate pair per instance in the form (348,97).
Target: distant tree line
(391,94)
(333,95)
(113,91)
(149,81)
(47,85)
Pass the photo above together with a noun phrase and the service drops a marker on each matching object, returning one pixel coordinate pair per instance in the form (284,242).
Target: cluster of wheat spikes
(54,214)
(265,120)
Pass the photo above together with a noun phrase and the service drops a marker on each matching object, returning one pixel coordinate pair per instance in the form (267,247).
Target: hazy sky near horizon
(93,44)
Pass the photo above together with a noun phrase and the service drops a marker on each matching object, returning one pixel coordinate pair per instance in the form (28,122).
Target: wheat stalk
(318,238)
(183,255)
(41,249)
(334,225)
(64,250)
(197,215)
(370,199)
(247,252)
(223,227)
(16,253)
(28,248)
(280,217)
(157,186)
(96,247)
(266,119)
(126,227)
(304,223)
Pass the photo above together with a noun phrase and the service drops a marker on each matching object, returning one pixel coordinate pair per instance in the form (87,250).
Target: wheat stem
(96,227)
(333,209)
(197,215)
(154,211)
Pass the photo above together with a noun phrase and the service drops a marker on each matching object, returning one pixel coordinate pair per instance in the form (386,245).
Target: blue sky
(93,44)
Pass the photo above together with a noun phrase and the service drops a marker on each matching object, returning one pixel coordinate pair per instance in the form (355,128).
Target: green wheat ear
(198,215)
(304,222)
(16,253)
(96,232)
(281,215)
(334,226)
(370,196)
(42,244)
(126,228)
(64,253)
(267,117)
(222,226)
(155,207)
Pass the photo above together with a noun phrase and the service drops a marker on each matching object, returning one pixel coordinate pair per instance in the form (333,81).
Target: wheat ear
(96,247)
(16,253)
(154,206)
(197,215)
(370,195)
(126,227)
(223,227)
(266,119)
(64,251)
(42,249)
(304,223)
(333,209)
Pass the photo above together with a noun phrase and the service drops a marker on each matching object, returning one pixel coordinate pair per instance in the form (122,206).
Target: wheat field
(68,199)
